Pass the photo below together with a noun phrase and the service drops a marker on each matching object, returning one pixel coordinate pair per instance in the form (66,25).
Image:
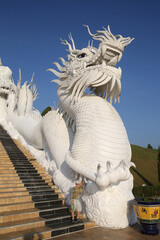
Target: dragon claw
(113,175)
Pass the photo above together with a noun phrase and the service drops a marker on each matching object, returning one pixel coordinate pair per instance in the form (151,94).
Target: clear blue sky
(30,32)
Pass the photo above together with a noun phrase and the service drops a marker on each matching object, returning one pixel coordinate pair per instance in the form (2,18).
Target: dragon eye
(82,55)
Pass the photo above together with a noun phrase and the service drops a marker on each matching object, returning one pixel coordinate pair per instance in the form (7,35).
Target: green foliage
(146,163)
(159,171)
(146,166)
(149,146)
(45,111)
(146,191)
(159,155)
(159,164)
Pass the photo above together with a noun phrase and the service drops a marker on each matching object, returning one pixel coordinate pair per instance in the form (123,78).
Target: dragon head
(6,83)
(93,68)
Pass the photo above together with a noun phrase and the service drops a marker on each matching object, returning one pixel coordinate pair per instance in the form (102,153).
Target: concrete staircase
(31,207)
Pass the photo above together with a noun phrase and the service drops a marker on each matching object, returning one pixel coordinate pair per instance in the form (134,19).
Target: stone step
(30,184)
(31,207)
(16,206)
(49,212)
(17,158)
(18,181)
(43,205)
(10,185)
(35,163)
(68,227)
(32,174)
(22,167)
(14,194)
(11,227)
(47,232)
(34,188)
(61,225)
(9,200)
(40,197)
(3,155)
(26,179)
(5,181)
(38,184)
(5,162)
(17,215)
(12,174)
(33,180)
(36,174)
(29,171)
(9,174)
(7,171)
(28,167)
(6,167)
(14,189)
(59,219)
(20,197)
(40,177)
(19,166)
(29,234)
(8,177)
(35,192)
(37,188)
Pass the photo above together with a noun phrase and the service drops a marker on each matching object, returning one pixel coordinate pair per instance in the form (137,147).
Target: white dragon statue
(7,91)
(85,135)
(16,99)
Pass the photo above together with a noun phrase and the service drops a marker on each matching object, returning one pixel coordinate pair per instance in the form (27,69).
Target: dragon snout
(110,55)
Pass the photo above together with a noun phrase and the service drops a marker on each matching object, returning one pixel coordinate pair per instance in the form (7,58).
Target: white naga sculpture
(7,90)
(16,99)
(85,136)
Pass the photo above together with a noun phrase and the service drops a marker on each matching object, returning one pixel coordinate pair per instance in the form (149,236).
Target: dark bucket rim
(147,201)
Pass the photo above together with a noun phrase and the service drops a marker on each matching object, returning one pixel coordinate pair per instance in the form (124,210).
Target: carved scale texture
(56,135)
(100,134)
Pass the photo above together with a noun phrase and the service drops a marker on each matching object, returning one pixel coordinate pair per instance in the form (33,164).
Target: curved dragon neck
(66,102)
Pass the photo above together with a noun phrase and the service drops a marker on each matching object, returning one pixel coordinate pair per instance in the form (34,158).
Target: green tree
(159,163)
(45,111)
(149,146)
